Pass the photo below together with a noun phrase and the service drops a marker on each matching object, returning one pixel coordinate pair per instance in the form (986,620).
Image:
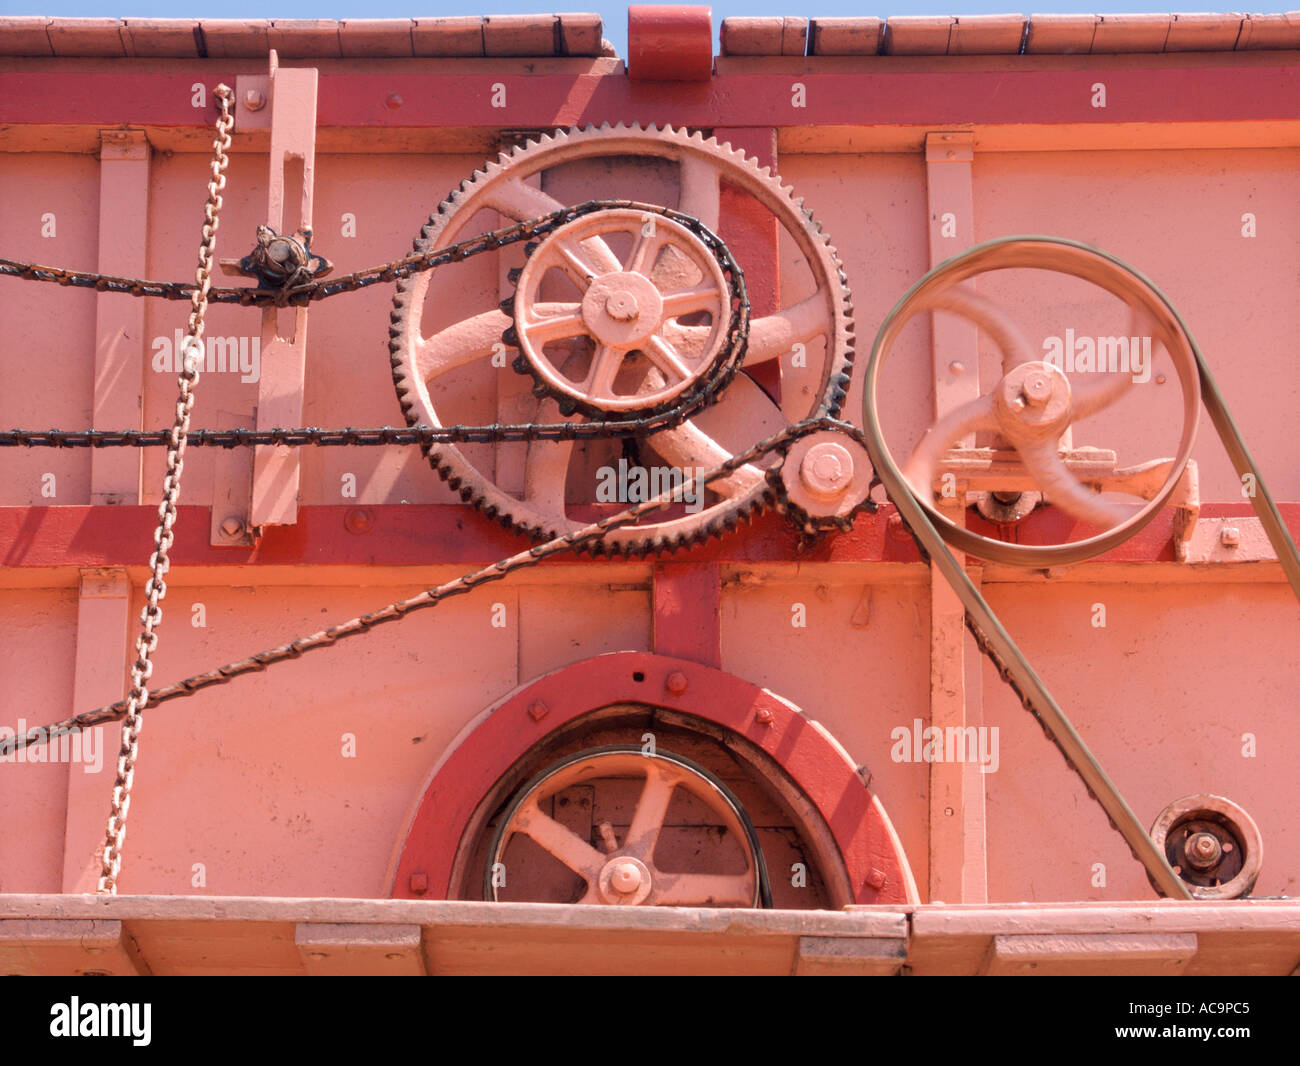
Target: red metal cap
(669,42)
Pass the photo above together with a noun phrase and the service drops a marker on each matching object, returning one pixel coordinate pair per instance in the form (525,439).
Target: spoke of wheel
(683,302)
(641,259)
(701,890)
(573,261)
(773,336)
(700,194)
(959,422)
(546,466)
(660,352)
(459,344)
(988,316)
(1093,395)
(1060,487)
(605,364)
(519,201)
(651,807)
(566,322)
(559,840)
(688,445)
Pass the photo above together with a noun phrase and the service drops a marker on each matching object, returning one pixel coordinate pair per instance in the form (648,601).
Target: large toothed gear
(655,312)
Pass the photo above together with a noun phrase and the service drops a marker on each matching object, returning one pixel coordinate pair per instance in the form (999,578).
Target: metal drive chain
(156,587)
(667,415)
(429,598)
(320,289)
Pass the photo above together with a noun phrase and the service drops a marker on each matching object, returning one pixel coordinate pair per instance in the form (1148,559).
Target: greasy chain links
(430,597)
(667,416)
(320,289)
(156,587)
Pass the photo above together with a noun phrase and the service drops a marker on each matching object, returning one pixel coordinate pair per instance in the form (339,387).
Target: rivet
(394,101)
(359,520)
(419,884)
(676,682)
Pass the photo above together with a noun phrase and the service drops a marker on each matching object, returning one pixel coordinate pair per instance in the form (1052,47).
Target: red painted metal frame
(433,534)
(1163,89)
(866,840)
(670,42)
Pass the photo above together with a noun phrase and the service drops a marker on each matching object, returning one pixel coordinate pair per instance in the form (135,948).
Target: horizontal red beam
(1164,89)
(424,535)
(391,535)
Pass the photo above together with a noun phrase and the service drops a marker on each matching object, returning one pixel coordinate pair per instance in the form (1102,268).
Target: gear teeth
(451,465)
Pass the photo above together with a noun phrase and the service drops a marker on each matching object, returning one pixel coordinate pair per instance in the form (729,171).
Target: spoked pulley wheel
(1029,412)
(633,861)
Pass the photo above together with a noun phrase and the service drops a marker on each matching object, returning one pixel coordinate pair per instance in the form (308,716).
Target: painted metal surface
(1184,688)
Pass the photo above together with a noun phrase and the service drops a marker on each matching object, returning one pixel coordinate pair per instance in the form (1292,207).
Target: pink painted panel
(254,782)
(860,682)
(37,632)
(1179,218)
(49,335)
(1164,694)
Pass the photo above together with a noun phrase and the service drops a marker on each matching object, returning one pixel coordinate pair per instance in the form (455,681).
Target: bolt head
(764,716)
(625,878)
(1229,536)
(621,306)
(254,99)
(827,469)
(1203,850)
(537,710)
(1036,388)
(232,526)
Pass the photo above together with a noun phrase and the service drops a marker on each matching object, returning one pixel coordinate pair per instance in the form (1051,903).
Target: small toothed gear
(532,488)
(822,481)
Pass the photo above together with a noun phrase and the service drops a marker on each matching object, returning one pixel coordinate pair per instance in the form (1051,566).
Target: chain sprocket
(538,507)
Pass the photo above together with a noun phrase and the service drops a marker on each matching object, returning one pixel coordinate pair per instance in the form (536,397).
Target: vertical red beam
(119,323)
(958,851)
(99,677)
(687,612)
(284,332)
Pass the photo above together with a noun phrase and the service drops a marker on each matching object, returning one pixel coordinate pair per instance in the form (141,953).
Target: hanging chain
(156,587)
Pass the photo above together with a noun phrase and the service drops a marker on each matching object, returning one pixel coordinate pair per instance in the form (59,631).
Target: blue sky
(615,16)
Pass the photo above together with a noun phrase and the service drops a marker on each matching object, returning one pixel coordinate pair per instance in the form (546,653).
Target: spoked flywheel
(1028,456)
(636,863)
